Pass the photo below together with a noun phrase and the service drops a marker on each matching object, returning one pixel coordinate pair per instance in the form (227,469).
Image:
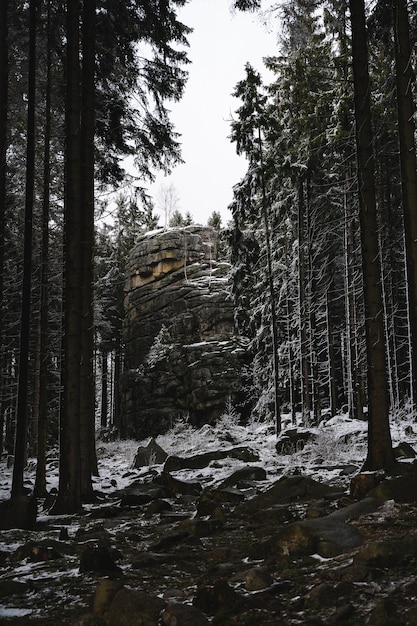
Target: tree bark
(270,277)
(4,75)
(87,395)
(118,420)
(380,454)
(353,387)
(304,360)
(406,130)
(40,481)
(332,376)
(104,389)
(22,394)
(291,383)
(69,491)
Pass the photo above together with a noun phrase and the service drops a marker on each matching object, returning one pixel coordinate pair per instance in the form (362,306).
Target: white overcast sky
(220,45)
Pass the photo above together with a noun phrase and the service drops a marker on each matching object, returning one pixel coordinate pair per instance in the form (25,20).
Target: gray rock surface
(182,353)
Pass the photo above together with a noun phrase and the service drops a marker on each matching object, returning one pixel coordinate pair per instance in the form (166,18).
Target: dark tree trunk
(34,416)
(40,482)
(22,395)
(87,396)
(390,258)
(69,491)
(353,387)
(332,386)
(302,278)
(380,454)
(405,106)
(3,168)
(291,384)
(119,421)
(273,304)
(104,390)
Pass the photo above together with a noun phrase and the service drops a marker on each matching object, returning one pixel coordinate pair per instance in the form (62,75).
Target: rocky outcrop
(182,353)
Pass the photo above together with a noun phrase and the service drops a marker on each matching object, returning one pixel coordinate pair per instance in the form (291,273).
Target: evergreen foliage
(298,239)
(138,61)
(309,165)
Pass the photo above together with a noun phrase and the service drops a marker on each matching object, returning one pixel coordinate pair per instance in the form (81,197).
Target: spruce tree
(69,489)
(248,134)
(406,131)
(23,382)
(380,454)
(3,168)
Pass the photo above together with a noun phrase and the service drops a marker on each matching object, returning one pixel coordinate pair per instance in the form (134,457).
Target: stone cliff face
(182,353)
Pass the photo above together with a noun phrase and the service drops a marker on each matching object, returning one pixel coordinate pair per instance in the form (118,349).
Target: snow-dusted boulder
(183,355)
(151,454)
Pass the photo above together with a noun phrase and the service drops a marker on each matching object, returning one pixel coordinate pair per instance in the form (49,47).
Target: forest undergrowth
(39,591)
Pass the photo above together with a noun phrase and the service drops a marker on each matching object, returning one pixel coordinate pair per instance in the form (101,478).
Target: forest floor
(199,541)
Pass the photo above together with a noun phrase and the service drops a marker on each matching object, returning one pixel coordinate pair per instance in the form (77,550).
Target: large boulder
(328,536)
(183,615)
(183,355)
(120,606)
(151,454)
(284,490)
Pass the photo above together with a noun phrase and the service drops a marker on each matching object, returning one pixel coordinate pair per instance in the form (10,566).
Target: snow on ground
(8,612)
(339,441)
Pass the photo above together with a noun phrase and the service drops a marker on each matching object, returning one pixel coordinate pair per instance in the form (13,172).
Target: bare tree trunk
(304,360)
(40,482)
(380,454)
(104,390)
(69,491)
(313,356)
(354,387)
(119,421)
(273,305)
(332,386)
(34,416)
(405,107)
(4,75)
(315,382)
(289,342)
(87,396)
(386,316)
(22,395)
(310,309)
(110,419)
(391,292)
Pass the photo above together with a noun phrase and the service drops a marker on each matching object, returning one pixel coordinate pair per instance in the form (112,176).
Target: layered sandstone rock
(182,353)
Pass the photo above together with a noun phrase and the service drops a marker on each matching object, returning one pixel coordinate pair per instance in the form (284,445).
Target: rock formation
(182,353)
